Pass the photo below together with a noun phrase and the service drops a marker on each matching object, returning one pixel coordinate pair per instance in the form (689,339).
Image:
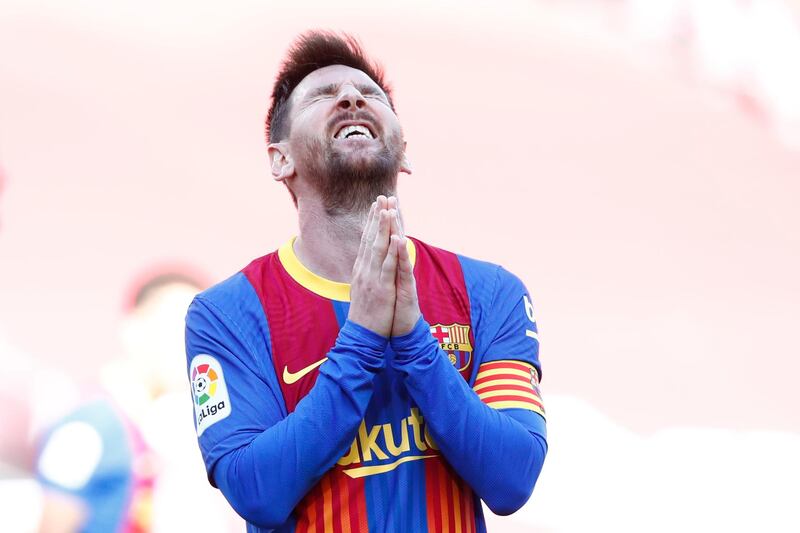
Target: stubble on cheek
(349,182)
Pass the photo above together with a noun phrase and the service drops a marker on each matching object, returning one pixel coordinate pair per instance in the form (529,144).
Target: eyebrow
(333,88)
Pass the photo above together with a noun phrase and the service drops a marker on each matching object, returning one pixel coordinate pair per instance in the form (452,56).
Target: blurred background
(635,162)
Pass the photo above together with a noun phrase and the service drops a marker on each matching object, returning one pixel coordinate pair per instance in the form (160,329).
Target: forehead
(333,74)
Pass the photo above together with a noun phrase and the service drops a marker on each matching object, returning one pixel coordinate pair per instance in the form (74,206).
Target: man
(108,465)
(356,379)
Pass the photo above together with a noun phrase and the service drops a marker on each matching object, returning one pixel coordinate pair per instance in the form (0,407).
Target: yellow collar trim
(332,290)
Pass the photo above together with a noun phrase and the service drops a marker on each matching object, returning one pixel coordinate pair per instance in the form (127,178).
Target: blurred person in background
(20,497)
(323,399)
(111,463)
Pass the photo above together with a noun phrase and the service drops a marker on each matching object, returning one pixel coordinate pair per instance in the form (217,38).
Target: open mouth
(354,131)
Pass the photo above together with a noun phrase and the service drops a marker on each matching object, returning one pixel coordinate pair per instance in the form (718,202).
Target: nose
(350,98)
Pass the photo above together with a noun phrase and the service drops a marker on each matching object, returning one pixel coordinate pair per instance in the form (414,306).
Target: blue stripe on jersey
(418,511)
(479,279)
(377,493)
(238,299)
(398,483)
(341,309)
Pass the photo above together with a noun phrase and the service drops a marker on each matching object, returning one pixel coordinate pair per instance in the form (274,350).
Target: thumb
(405,270)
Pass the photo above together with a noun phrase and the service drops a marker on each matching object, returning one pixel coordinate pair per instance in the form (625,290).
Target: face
(344,138)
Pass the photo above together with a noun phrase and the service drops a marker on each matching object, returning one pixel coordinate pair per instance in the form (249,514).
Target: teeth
(347,130)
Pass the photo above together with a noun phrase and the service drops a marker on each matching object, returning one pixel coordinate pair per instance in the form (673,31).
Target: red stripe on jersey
(464,509)
(441,290)
(327,505)
(358,505)
(469,507)
(524,388)
(444,508)
(502,376)
(458,505)
(306,514)
(303,326)
(493,365)
(432,494)
(341,513)
(490,401)
(319,509)
(448,499)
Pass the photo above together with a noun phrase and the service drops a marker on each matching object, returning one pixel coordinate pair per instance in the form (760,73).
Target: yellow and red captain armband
(509,384)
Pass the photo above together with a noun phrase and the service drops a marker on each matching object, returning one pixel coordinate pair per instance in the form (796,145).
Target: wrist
(414,341)
(352,330)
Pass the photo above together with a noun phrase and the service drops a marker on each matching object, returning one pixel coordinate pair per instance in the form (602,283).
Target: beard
(349,181)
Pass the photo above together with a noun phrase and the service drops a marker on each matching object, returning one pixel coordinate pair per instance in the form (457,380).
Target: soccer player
(357,379)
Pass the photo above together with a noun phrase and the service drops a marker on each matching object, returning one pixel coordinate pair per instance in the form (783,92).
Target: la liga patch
(211,401)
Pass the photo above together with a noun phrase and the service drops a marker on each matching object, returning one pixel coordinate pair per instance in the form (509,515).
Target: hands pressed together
(383,292)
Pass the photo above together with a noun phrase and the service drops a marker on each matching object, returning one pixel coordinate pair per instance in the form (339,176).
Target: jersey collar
(332,290)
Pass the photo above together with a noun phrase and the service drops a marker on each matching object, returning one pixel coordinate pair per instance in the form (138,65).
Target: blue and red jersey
(309,422)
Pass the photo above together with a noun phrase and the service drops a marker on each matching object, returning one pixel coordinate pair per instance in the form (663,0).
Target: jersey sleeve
(508,338)
(262,459)
(234,402)
(509,330)
(495,452)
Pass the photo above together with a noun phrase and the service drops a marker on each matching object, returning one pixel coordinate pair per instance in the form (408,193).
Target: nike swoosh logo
(293,377)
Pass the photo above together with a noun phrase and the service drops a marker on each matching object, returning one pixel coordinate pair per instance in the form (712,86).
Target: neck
(328,244)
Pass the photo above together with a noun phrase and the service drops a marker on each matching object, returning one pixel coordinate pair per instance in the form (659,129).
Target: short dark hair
(311,51)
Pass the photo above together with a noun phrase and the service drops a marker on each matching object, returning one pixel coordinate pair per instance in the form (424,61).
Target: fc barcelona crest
(454,340)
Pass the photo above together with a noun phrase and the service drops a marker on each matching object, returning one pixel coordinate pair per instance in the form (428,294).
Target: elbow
(511,499)
(246,494)
(518,487)
(261,514)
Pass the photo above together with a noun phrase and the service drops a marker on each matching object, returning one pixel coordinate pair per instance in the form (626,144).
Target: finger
(389,267)
(394,228)
(383,202)
(362,246)
(391,202)
(380,245)
(405,270)
(372,232)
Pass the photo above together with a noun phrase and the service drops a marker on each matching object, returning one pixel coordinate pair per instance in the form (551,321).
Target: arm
(262,462)
(500,453)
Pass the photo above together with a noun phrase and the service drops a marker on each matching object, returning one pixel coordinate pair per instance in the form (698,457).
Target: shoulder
(482,278)
(234,300)
(230,317)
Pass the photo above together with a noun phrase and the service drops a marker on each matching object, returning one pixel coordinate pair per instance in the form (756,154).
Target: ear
(280,161)
(405,166)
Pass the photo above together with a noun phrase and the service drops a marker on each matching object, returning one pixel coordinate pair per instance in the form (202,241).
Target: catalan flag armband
(509,384)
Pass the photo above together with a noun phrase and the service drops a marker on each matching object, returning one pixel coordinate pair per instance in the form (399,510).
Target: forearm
(494,453)
(266,479)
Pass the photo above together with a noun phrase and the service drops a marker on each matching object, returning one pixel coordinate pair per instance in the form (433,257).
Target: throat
(328,245)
